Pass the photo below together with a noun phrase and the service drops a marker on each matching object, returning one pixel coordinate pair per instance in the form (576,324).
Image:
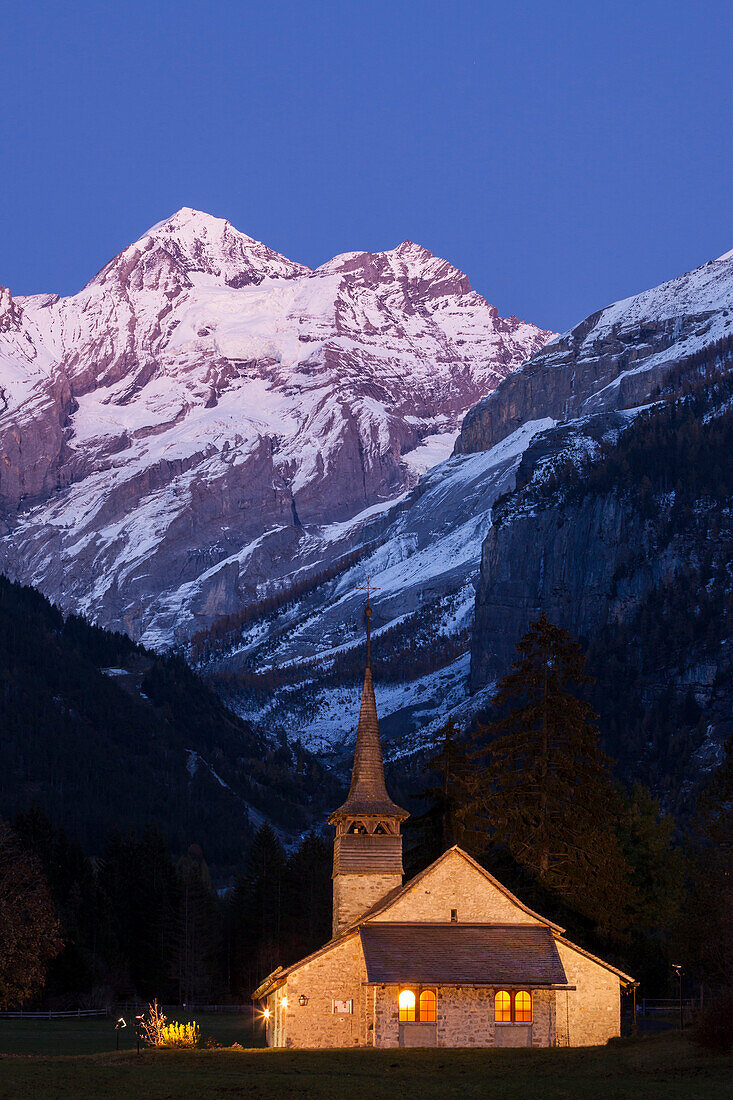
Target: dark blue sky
(563,154)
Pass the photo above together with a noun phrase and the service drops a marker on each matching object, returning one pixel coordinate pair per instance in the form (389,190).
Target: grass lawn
(662,1066)
(95,1035)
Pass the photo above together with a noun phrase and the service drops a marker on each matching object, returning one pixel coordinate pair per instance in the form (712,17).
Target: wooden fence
(22,1014)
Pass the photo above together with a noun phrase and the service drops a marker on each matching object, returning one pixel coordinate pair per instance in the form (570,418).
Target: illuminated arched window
(427,1006)
(407,1006)
(523,1007)
(502,1007)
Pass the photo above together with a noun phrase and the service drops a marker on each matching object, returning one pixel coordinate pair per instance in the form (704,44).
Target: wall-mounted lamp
(284,1002)
(302,1000)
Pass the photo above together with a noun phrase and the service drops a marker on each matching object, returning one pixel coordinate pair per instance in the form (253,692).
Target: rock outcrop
(614,359)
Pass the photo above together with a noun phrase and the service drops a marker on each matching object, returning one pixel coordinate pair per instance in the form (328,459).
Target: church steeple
(367,856)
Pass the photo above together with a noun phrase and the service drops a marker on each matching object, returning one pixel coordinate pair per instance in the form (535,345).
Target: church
(449,959)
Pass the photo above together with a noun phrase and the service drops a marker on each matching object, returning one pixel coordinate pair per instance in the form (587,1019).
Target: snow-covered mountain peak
(411,270)
(174,431)
(191,223)
(192,248)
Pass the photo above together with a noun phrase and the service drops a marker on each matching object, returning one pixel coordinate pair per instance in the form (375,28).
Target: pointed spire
(368,793)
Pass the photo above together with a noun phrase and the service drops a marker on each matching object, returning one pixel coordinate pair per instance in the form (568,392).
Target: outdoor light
(284,1002)
(266,1014)
(118,1028)
(679,970)
(302,1000)
(139,1029)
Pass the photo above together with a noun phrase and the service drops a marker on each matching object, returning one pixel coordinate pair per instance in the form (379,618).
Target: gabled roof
(394,895)
(461,954)
(279,976)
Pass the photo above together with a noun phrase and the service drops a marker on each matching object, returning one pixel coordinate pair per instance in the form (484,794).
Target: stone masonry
(354,894)
(454,883)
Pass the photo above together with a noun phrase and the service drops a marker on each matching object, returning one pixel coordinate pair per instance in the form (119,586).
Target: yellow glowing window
(427,1006)
(502,1007)
(407,1006)
(523,1008)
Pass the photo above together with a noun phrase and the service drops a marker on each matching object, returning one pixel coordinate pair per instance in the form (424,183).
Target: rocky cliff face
(542,553)
(619,528)
(174,437)
(614,359)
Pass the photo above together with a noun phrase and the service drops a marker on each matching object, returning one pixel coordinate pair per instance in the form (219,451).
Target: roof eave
(625,979)
(452,983)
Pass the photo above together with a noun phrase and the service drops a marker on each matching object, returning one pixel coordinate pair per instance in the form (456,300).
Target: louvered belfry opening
(368,840)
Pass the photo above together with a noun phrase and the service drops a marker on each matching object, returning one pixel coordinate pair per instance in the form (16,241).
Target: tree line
(137,923)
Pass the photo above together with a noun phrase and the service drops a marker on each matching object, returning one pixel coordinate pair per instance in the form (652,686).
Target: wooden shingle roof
(368,794)
(461,954)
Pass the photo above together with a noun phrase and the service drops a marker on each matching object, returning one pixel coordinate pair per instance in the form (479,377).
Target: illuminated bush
(157,1032)
(180,1035)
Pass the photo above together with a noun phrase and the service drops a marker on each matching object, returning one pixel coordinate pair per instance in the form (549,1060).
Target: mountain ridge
(188,422)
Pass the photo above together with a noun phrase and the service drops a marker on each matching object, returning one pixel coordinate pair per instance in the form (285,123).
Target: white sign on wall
(343,1007)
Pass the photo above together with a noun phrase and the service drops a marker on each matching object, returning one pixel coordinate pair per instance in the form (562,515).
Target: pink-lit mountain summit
(172,434)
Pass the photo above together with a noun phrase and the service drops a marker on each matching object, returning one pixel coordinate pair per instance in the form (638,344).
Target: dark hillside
(104,735)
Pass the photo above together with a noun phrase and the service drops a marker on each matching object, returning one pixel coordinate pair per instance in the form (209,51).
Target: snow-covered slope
(296,670)
(172,435)
(420,557)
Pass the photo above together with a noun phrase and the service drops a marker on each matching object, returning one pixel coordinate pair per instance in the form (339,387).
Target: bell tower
(367,851)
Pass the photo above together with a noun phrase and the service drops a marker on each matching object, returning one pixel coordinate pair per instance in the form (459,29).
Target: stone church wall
(544,1031)
(336,974)
(456,884)
(589,1015)
(465,1018)
(354,894)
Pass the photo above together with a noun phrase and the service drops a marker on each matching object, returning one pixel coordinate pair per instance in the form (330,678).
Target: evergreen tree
(30,935)
(139,880)
(198,938)
(307,892)
(82,910)
(655,886)
(707,943)
(443,823)
(542,787)
(260,902)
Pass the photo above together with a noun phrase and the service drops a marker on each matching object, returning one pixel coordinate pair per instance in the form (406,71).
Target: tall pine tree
(542,787)
(442,824)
